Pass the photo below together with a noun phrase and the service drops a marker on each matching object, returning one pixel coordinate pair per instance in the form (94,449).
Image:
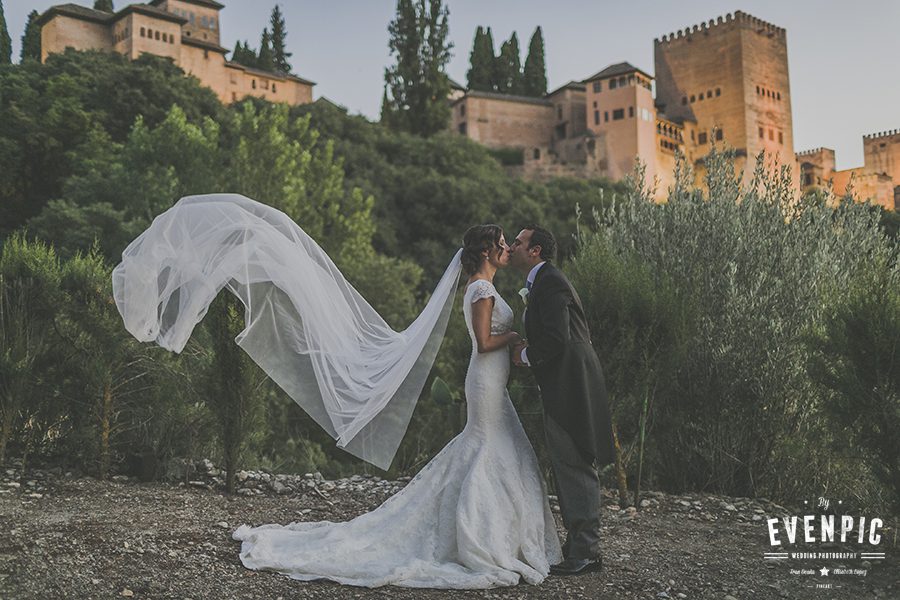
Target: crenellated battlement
(881,134)
(728,22)
(814,151)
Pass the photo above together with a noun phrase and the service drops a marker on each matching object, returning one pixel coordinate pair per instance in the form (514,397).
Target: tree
(280,55)
(31,39)
(29,284)
(417,84)
(509,67)
(5,40)
(481,61)
(535,73)
(490,60)
(104,5)
(266,59)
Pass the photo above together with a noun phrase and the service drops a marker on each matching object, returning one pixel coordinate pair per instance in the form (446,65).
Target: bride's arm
(481,323)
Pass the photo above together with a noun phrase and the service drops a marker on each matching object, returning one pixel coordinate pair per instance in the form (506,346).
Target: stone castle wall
(187,33)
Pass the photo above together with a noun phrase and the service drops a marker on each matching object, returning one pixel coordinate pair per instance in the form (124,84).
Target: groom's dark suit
(577,419)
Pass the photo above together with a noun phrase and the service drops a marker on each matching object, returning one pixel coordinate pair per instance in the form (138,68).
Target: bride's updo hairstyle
(476,240)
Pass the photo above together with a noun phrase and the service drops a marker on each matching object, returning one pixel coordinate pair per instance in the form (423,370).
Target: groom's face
(520,256)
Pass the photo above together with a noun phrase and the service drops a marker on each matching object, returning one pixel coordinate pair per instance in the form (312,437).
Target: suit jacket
(565,364)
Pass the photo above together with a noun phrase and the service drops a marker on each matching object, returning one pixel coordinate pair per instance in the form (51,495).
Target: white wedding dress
(476,516)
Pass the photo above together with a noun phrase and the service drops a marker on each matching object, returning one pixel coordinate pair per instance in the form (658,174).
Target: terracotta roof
(76,11)
(506,97)
(192,41)
(572,85)
(622,68)
(209,3)
(151,11)
(269,74)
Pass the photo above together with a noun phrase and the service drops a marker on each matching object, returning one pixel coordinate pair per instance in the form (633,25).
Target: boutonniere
(524,293)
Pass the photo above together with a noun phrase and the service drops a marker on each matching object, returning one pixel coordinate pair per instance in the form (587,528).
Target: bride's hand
(514,339)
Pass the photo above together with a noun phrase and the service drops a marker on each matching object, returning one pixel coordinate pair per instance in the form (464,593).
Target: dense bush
(703,306)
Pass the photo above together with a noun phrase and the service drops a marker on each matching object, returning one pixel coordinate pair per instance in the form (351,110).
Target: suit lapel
(537,277)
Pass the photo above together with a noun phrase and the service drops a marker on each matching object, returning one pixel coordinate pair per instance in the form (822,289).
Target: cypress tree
(280,55)
(243,55)
(5,40)
(265,59)
(436,56)
(417,86)
(490,58)
(481,61)
(104,5)
(31,40)
(509,67)
(535,73)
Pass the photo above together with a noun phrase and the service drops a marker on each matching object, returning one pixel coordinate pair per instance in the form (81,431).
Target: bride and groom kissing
(477,516)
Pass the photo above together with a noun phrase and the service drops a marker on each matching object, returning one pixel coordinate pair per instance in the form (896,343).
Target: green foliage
(508,68)
(751,272)
(232,383)
(856,358)
(29,280)
(244,55)
(104,5)
(509,157)
(480,75)
(280,55)
(50,110)
(265,60)
(5,40)
(31,39)
(417,86)
(535,73)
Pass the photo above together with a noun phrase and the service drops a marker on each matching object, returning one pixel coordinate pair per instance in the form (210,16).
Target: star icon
(824,571)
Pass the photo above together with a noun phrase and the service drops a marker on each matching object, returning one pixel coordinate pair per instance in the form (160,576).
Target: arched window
(165,37)
(143,32)
(156,34)
(537,154)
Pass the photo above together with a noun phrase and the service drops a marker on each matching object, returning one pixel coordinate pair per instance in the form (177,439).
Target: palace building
(187,31)
(722,82)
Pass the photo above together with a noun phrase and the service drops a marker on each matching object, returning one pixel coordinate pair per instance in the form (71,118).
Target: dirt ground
(65,536)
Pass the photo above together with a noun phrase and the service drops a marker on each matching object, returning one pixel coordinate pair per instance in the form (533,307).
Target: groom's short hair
(543,238)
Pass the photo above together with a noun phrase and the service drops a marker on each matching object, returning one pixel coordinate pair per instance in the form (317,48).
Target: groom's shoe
(576,566)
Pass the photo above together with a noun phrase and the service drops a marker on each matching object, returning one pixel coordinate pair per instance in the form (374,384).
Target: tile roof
(622,68)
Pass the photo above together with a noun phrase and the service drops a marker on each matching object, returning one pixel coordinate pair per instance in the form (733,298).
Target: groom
(576,414)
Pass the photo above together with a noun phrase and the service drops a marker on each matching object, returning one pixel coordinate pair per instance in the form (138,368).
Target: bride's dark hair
(476,240)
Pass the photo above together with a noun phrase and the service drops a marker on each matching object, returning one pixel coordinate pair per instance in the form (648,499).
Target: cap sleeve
(481,289)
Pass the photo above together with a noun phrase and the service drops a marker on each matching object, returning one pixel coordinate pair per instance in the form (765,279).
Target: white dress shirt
(529,281)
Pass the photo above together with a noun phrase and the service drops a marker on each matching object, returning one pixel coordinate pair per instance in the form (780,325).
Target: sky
(843,56)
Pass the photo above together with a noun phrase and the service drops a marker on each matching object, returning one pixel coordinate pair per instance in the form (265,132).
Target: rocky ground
(67,536)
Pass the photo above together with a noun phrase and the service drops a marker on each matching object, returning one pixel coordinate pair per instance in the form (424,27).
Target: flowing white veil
(306,326)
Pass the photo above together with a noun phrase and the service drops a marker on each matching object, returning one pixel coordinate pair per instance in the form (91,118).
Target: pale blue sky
(843,56)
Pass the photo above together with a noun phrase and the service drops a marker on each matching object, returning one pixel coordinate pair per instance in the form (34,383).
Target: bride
(477,515)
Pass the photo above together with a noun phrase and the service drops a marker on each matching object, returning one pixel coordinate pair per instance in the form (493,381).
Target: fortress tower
(729,77)
(882,153)
(619,101)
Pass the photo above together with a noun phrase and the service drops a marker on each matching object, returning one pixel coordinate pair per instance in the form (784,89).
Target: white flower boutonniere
(524,293)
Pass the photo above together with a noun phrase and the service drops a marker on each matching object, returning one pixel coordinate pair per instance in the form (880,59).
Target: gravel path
(78,537)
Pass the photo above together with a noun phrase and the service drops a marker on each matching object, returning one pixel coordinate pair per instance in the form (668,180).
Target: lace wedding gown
(475,517)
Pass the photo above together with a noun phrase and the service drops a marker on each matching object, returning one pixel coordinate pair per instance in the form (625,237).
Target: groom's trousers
(578,490)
